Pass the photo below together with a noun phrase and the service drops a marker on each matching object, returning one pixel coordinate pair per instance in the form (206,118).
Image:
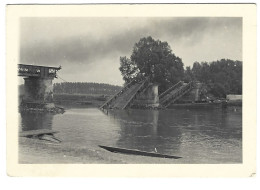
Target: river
(198,135)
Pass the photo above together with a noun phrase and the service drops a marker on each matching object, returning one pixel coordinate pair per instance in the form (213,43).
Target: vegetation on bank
(155,59)
(80,99)
(80,93)
(85,88)
(221,77)
(83,93)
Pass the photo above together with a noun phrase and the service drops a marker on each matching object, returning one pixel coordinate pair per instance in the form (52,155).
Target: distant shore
(95,100)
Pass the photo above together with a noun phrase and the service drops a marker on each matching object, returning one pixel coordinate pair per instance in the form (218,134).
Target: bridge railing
(179,93)
(141,88)
(37,71)
(29,70)
(170,89)
(119,93)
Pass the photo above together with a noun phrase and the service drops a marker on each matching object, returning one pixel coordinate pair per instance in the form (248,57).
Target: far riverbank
(96,100)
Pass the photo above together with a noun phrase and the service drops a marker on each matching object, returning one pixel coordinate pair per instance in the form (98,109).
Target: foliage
(85,88)
(155,59)
(221,77)
(128,70)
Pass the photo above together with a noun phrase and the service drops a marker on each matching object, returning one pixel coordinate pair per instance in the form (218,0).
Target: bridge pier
(148,98)
(38,89)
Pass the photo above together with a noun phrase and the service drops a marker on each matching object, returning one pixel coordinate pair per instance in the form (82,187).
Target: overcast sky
(88,49)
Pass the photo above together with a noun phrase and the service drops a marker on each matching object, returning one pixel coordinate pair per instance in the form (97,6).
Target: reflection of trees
(145,130)
(218,123)
(168,130)
(34,121)
(212,127)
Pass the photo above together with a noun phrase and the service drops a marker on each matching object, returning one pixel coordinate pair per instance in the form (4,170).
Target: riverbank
(96,100)
(34,151)
(208,136)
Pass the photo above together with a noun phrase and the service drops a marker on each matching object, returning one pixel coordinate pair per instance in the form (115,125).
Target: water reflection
(171,130)
(144,130)
(34,121)
(199,136)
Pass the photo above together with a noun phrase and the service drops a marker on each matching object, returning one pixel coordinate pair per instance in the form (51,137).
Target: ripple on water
(199,136)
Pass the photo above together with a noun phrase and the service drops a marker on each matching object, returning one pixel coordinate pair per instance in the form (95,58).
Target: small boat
(137,152)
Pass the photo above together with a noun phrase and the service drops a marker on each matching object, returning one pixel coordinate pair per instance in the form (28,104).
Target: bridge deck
(37,71)
(174,94)
(123,98)
(121,101)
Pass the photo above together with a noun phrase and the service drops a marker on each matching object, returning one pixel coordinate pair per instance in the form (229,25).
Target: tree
(188,75)
(128,69)
(155,59)
(221,77)
(85,88)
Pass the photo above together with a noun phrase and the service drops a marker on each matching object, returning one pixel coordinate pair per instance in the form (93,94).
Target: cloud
(193,30)
(82,44)
(76,47)
(47,47)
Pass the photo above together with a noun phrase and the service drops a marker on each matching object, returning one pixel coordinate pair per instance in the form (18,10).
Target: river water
(199,136)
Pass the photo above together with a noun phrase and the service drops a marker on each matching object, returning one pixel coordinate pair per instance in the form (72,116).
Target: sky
(88,49)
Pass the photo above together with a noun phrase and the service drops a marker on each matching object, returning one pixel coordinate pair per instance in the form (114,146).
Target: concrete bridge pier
(148,98)
(38,89)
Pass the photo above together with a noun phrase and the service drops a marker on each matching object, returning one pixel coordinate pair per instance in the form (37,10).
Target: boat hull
(137,152)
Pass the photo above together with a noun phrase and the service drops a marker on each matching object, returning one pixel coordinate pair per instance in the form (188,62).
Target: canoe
(137,152)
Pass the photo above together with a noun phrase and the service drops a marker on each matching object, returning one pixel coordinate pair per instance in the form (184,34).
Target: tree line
(221,77)
(85,88)
(155,59)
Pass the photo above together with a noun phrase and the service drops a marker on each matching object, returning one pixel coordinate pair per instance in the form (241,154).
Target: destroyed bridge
(38,88)
(38,82)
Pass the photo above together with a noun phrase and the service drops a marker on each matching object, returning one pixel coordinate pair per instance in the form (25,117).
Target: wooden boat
(137,152)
